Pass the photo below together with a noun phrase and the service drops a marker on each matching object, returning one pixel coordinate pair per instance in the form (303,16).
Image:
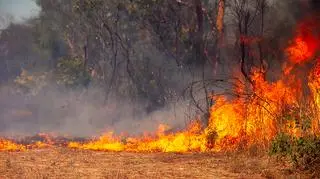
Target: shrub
(303,152)
(281,145)
(306,152)
(70,72)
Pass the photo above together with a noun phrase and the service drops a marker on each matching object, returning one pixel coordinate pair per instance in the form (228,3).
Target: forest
(224,74)
(140,56)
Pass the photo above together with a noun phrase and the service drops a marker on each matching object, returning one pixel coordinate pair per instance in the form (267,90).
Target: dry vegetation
(67,163)
(83,70)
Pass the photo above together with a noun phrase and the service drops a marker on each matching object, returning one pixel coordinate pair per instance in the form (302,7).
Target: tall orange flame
(264,109)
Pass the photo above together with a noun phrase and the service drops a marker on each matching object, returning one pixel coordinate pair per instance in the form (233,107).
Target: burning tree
(113,38)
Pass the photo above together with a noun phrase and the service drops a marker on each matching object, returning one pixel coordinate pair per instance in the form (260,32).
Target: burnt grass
(61,162)
(49,139)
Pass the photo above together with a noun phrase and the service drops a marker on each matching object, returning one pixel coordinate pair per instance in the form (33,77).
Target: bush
(281,145)
(70,72)
(303,152)
(306,152)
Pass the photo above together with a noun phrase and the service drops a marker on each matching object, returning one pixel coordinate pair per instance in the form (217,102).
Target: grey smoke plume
(17,11)
(73,113)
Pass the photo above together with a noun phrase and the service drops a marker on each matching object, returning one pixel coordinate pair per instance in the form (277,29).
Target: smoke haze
(17,11)
(74,113)
(83,113)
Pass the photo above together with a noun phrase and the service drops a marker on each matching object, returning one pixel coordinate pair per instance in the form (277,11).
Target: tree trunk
(243,28)
(220,26)
(199,45)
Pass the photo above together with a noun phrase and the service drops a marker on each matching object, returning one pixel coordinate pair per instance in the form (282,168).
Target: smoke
(81,114)
(17,12)
(84,113)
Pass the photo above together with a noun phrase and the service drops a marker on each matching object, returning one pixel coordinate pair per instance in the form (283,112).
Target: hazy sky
(19,10)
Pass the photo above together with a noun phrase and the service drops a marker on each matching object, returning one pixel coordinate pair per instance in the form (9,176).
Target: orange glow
(106,142)
(314,84)
(190,140)
(220,16)
(271,107)
(254,118)
(261,110)
(305,45)
(300,50)
(6,145)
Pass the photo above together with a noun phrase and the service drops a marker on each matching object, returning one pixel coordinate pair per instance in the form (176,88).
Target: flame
(192,139)
(7,145)
(306,43)
(300,50)
(261,110)
(46,141)
(253,118)
(314,82)
(271,107)
(106,142)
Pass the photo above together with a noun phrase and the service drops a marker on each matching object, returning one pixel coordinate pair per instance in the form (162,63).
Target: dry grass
(67,163)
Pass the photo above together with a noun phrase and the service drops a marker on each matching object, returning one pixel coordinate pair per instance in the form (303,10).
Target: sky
(18,10)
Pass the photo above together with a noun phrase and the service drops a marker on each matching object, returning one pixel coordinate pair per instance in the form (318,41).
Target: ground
(68,163)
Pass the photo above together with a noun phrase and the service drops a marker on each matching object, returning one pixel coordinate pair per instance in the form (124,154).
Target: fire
(306,43)
(190,140)
(7,145)
(106,142)
(253,118)
(261,110)
(314,82)
(38,141)
(300,50)
(272,107)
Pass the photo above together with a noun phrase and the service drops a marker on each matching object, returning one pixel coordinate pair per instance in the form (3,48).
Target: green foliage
(303,152)
(306,152)
(299,118)
(282,145)
(72,73)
